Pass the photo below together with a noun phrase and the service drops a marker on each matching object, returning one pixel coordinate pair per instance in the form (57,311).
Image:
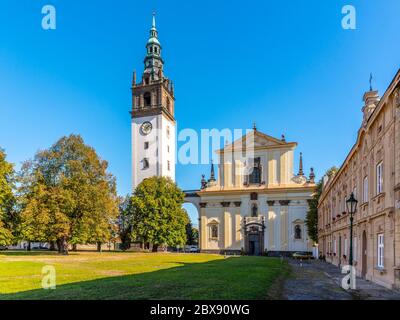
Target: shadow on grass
(233,278)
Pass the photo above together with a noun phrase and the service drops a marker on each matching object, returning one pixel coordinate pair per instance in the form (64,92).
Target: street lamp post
(351,204)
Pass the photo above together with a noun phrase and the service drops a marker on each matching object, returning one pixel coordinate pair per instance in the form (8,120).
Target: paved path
(317,280)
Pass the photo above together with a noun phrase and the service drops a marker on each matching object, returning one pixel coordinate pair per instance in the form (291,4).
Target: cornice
(146,112)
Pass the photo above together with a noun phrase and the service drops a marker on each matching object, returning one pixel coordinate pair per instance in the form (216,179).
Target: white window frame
(379,178)
(365,189)
(381,251)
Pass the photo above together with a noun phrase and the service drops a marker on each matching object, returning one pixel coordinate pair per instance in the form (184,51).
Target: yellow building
(372,172)
(257,205)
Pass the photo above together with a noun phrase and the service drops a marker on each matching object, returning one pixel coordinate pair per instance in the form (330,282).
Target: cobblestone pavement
(317,280)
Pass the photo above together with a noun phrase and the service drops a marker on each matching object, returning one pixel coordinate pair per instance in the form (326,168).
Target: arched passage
(192,206)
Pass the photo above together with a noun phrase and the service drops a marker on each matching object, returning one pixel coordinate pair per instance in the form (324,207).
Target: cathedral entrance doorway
(254,245)
(254,238)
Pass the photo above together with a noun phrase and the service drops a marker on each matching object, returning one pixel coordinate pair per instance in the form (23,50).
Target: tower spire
(301,172)
(370,81)
(212,175)
(154,20)
(153,63)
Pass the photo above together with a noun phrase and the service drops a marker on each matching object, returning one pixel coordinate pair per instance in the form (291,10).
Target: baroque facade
(257,205)
(372,172)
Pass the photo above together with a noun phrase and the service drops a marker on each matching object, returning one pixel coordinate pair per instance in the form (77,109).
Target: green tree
(312,213)
(67,196)
(192,235)
(158,216)
(125,222)
(7,201)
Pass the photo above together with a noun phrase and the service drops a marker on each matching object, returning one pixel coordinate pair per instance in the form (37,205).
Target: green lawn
(115,275)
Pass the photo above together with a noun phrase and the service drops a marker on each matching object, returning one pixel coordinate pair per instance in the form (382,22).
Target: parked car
(302,255)
(192,249)
(3,248)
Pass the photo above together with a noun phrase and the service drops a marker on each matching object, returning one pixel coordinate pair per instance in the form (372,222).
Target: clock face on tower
(146,127)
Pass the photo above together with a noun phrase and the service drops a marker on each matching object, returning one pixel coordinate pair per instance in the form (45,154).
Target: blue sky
(288,65)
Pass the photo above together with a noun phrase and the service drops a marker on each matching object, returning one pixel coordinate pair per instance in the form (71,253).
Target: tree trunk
(155,247)
(59,246)
(52,246)
(64,246)
(28,248)
(74,247)
(99,249)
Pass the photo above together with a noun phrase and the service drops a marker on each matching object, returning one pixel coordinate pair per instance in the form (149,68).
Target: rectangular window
(146,145)
(379,178)
(334,246)
(380,251)
(344,204)
(365,189)
(168,149)
(345,247)
(168,166)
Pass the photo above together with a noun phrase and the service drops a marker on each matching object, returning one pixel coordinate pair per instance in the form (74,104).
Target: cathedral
(256,205)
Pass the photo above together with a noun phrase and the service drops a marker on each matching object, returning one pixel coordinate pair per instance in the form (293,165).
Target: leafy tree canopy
(7,200)
(67,195)
(312,213)
(158,216)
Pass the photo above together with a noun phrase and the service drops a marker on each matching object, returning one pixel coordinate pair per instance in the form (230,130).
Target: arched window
(147,99)
(297,231)
(254,211)
(146,164)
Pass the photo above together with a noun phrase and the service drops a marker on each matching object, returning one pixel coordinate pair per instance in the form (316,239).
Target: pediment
(255,139)
(213,221)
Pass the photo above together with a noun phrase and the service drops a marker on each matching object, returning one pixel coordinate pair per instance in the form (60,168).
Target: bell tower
(153,122)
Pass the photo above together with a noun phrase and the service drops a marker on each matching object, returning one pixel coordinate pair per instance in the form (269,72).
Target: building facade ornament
(203,204)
